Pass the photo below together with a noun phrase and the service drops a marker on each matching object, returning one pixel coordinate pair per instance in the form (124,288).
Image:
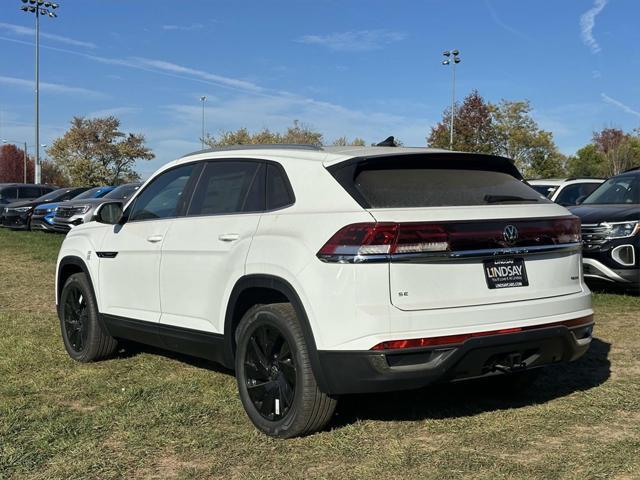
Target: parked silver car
(76,212)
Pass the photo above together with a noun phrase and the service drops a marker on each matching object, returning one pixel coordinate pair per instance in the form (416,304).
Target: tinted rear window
(468,180)
(406,188)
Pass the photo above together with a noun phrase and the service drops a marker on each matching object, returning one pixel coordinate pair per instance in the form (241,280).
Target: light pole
(38,7)
(452,59)
(202,99)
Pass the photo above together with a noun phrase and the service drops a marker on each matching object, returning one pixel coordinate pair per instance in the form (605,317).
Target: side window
(29,192)
(229,187)
(8,194)
(162,197)
(278,191)
(570,194)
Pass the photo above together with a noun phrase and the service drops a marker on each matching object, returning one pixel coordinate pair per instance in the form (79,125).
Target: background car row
(59,209)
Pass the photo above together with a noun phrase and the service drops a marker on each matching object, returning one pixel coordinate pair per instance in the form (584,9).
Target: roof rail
(259,146)
(584,178)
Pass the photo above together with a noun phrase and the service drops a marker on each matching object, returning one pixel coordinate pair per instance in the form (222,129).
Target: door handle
(154,238)
(228,237)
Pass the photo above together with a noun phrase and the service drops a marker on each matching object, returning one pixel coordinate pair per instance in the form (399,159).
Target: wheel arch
(253,289)
(68,266)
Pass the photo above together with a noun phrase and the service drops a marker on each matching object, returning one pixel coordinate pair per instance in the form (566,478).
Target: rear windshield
(464,180)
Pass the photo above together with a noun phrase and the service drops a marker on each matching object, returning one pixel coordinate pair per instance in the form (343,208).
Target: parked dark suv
(611,230)
(17,215)
(14,192)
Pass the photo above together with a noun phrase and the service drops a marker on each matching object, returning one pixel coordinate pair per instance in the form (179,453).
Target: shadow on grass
(601,286)
(448,400)
(482,395)
(131,349)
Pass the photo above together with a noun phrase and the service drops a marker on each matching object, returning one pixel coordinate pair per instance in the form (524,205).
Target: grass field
(148,414)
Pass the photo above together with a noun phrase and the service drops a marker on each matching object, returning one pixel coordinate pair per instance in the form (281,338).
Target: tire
(276,384)
(83,337)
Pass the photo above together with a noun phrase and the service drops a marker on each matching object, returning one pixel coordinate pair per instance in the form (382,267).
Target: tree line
(94,151)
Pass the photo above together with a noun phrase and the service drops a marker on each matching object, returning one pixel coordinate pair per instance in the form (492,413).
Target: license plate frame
(510,272)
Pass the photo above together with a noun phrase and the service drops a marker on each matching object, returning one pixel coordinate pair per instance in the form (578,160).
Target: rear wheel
(83,337)
(276,384)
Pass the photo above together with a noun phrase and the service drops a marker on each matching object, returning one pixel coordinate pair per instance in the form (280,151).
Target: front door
(130,253)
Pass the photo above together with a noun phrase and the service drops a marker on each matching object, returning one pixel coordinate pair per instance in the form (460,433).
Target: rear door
(468,236)
(204,253)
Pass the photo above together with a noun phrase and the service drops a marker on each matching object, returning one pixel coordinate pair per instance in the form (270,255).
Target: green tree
(298,133)
(587,162)
(474,129)
(520,138)
(95,152)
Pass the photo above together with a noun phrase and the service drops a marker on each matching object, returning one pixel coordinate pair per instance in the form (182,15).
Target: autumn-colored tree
(52,174)
(473,127)
(95,152)
(620,150)
(298,133)
(12,165)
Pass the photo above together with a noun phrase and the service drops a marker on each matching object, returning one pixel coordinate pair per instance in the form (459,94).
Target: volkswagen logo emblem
(510,234)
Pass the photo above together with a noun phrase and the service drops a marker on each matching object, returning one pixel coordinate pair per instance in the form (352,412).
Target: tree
(52,174)
(298,133)
(95,152)
(12,165)
(520,138)
(345,142)
(587,162)
(474,130)
(620,150)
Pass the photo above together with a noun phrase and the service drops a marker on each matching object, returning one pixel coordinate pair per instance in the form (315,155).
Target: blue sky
(355,68)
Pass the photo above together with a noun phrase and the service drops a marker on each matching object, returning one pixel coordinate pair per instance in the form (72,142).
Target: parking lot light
(452,58)
(39,8)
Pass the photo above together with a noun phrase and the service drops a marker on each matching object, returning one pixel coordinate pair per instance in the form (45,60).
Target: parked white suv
(567,192)
(316,272)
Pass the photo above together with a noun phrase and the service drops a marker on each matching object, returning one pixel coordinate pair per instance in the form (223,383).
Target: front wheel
(276,384)
(82,334)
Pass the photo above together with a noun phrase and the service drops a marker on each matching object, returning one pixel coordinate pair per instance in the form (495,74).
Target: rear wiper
(507,198)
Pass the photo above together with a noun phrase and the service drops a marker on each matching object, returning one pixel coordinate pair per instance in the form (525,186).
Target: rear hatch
(458,230)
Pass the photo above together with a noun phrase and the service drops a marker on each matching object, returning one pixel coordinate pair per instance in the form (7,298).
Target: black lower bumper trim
(388,370)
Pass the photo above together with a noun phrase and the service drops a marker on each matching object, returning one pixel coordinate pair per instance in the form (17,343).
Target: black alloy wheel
(270,372)
(76,318)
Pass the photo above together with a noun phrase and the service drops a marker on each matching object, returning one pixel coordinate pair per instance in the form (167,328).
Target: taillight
(362,242)
(370,239)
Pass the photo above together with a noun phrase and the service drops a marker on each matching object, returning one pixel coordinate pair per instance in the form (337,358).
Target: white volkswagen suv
(316,272)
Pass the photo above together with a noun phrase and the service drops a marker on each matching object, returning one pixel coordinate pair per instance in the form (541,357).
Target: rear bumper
(348,372)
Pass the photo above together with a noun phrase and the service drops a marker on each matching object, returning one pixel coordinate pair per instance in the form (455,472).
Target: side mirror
(109,213)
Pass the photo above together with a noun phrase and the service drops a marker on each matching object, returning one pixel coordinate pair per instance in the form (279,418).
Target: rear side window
(29,192)
(279,192)
(392,182)
(229,187)
(570,194)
